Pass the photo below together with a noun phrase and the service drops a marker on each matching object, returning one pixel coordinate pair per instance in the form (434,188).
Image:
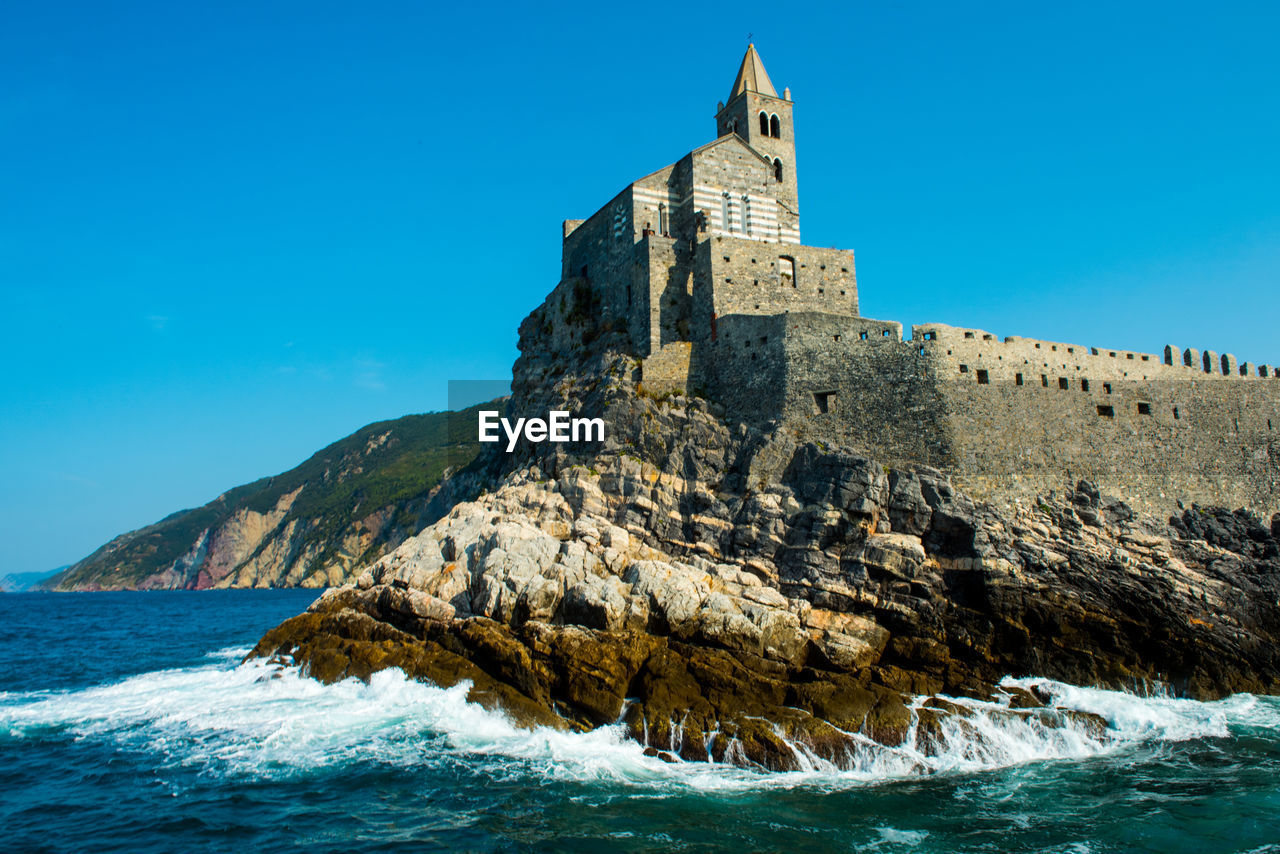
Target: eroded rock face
(727,593)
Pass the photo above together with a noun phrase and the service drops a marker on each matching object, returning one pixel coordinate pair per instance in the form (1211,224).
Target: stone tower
(756,113)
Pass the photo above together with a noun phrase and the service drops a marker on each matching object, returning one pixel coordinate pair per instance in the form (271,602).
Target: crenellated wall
(1012,417)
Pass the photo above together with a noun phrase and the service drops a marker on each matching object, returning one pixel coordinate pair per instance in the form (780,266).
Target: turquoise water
(127,724)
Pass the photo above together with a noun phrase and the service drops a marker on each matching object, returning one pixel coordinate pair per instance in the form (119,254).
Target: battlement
(976,352)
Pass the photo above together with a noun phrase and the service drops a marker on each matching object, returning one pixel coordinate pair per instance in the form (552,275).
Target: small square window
(1107,411)
(983,378)
(1063,383)
(964,369)
(1144,409)
(1106,387)
(1084,385)
(862,336)
(1017,379)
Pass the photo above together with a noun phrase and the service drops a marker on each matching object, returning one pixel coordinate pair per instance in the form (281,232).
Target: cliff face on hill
(735,593)
(311,526)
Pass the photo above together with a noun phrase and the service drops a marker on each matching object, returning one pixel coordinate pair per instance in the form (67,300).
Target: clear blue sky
(232,233)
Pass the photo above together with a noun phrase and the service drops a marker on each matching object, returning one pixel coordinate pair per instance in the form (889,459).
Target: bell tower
(756,113)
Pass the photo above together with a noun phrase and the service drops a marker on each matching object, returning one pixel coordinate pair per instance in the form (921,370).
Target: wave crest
(263,721)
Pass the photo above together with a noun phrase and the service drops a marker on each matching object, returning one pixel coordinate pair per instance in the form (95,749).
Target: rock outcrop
(738,594)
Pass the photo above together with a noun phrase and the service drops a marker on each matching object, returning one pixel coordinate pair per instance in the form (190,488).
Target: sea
(130,723)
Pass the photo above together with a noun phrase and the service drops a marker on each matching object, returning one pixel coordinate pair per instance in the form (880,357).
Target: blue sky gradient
(233,233)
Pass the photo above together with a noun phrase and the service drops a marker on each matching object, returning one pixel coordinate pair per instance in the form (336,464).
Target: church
(713,234)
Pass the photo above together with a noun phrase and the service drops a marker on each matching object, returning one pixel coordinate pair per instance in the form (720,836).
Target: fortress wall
(838,379)
(744,366)
(749,277)
(1148,431)
(881,398)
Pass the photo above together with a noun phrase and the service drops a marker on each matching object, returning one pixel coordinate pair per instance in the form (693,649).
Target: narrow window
(724,214)
(1106,387)
(1017,379)
(1107,411)
(775,127)
(787,269)
(983,379)
(1044,380)
(777,170)
(824,400)
(1063,383)
(764,131)
(862,336)
(662,220)
(885,333)
(1084,385)
(1144,409)
(1176,416)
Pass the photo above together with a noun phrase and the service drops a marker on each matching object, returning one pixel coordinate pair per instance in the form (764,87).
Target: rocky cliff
(733,593)
(311,526)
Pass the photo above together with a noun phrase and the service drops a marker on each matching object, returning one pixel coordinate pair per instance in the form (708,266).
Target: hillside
(311,526)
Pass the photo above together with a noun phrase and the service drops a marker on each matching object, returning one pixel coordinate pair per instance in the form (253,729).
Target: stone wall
(666,369)
(845,380)
(1025,416)
(747,277)
(1011,418)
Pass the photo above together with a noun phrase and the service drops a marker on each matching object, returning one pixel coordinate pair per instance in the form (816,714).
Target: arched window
(777,169)
(775,127)
(764,124)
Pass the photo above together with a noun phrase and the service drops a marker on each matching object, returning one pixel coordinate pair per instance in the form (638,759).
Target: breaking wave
(260,721)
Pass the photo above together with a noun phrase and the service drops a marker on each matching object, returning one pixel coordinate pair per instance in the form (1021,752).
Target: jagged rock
(733,592)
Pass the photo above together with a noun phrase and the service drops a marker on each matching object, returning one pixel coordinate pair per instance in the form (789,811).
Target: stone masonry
(700,265)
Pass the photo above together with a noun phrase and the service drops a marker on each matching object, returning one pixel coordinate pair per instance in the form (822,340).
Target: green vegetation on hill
(389,466)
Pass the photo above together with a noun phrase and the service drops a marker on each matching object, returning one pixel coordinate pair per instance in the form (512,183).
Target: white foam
(258,720)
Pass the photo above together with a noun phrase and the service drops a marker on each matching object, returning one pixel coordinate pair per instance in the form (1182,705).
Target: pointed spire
(752,77)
